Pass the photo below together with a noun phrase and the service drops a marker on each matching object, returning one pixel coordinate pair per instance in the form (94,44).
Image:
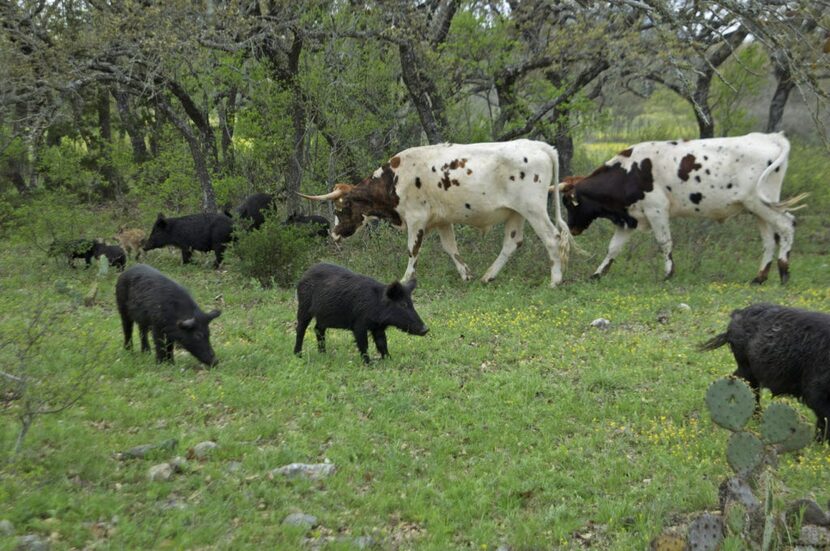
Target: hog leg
(817,399)
(219,252)
(145,346)
(361,337)
(187,253)
(168,351)
(320,333)
(161,346)
(379,336)
(127,325)
(303,319)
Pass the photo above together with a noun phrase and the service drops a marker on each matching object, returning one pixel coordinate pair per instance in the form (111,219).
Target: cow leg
(513,235)
(544,228)
(768,238)
(447,236)
(621,236)
(379,336)
(415,237)
(783,223)
(662,233)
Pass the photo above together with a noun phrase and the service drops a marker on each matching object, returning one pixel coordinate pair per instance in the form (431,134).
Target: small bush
(275,253)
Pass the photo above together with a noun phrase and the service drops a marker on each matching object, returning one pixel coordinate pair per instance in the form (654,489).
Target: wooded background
(199,102)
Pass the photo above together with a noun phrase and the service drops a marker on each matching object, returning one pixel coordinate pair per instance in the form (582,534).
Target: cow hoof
(757,281)
(595,276)
(785,278)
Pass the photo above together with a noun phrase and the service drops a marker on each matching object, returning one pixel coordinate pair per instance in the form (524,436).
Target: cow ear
(395,291)
(212,315)
(187,324)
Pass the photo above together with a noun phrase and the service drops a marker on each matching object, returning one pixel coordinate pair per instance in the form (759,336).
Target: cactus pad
(706,533)
(744,452)
(668,542)
(735,517)
(731,403)
(779,422)
(800,438)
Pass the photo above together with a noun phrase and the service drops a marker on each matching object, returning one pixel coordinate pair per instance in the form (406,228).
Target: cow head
(354,205)
(580,209)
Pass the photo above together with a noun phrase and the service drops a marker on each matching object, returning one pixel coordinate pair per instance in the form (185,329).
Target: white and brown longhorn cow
(646,184)
(483,184)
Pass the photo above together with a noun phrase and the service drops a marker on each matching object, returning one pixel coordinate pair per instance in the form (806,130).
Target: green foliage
(275,254)
(743,77)
(64,167)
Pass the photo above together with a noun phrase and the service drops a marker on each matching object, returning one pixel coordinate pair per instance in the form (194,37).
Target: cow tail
(713,343)
(566,241)
(791,204)
(784,144)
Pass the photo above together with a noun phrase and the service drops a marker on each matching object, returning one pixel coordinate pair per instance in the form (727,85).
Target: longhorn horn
(336,193)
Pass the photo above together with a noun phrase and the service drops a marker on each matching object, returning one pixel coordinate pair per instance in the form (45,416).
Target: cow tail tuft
(791,204)
(715,342)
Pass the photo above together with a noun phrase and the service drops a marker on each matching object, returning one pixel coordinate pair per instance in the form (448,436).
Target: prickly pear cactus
(668,542)
(706,533)
(731,403)
(735,518)
(800,438)
(744,452)
(779,422)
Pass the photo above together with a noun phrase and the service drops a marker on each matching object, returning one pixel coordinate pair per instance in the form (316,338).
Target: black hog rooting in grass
(115,254)
(786,350)
(317,225)
(200,232)
(340,299)
(72,249)
(156,303)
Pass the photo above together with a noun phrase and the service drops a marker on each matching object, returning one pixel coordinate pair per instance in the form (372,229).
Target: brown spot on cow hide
(418,240)
(453,164)
(522,175)
(467,206)
(687,165)
(469,172)
(626,152)
(455,182)
(445,181)
(525,159)
(418,183)
(513,178)
(462,163)
(395,162)
(513,234)
(696,198)
(535,177)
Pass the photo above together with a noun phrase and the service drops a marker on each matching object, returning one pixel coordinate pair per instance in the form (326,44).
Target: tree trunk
(700,105)
(779,98)
(104,144)
(131,125)
(423,93)
(564,143)
(200,163)
(227,116)
(298,118)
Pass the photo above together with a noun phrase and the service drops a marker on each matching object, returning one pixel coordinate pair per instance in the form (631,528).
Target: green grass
(512,422)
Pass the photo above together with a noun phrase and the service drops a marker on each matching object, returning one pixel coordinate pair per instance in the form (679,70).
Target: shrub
(275,253)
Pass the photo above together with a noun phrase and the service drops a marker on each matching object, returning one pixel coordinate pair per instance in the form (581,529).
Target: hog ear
(160,221)
(212,315)
(187,324)
(410,285)
(395,291)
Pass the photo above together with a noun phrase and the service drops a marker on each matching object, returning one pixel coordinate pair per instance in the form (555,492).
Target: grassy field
(514,422)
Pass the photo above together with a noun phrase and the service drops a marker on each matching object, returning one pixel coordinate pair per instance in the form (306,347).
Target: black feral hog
(317,225)
(199,232)
(157,303)
(72,249)
(786,350)
(115,254)
(340,299)
(252,209)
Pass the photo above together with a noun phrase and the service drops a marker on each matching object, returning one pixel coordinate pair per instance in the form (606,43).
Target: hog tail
(715,342)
